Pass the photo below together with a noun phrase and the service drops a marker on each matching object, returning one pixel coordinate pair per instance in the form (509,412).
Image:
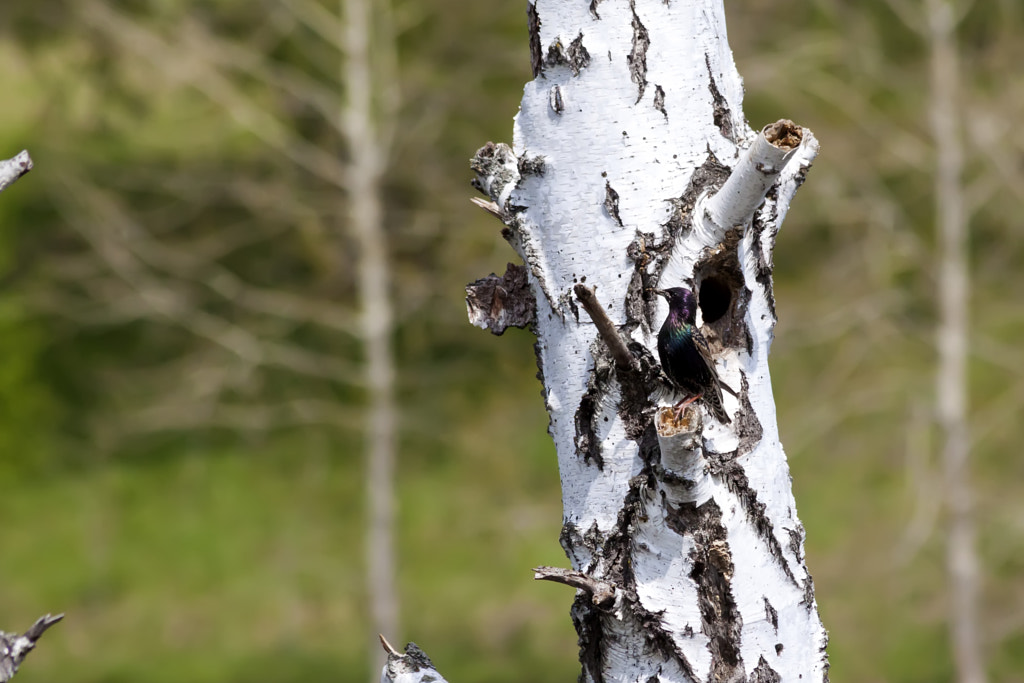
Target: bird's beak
(661,293)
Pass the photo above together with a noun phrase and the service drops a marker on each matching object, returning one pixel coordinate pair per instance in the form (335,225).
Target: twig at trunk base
(14,648)
(412,666)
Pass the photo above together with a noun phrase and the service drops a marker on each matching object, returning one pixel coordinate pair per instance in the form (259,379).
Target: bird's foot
(680,407)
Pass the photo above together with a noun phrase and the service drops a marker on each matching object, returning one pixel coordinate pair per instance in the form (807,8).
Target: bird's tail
(713,400)
(728,388)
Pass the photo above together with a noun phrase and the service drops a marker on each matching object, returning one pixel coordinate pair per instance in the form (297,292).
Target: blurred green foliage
(228,547)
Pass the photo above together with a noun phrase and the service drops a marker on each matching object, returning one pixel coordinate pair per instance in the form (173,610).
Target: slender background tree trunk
(951,384)
(368,161)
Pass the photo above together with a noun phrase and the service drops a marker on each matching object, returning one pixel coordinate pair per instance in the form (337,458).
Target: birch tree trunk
(951,374)
(363,176)
(633,168)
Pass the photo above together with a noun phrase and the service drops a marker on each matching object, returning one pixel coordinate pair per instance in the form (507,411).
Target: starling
(685,355)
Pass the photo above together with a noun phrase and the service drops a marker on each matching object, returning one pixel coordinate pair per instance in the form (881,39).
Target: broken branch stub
(759,167)
(602,593)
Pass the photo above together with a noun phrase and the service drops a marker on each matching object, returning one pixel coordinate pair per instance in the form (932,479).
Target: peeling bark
(638,54)
(498,303)
(577,56)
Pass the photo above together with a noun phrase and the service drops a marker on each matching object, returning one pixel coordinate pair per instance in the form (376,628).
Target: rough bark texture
(633,168)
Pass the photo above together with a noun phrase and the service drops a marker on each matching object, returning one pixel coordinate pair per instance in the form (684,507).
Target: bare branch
(189,65)
(175,306)
(606,328)
(488,206)
(13,168)
(602,593)
(388,647)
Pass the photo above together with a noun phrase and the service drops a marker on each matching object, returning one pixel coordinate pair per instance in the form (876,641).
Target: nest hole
(714,299)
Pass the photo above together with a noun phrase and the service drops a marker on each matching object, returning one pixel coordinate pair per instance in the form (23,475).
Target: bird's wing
(713,386)
(705,353)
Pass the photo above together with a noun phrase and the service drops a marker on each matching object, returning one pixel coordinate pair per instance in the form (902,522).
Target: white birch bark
(633,168)
(951,375)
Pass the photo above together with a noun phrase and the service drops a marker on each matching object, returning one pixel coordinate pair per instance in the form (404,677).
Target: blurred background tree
(184,394)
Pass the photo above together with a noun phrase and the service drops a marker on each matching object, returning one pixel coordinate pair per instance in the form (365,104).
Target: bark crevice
(732,474)
(722,114)
(533,26)
(637,58)
(659,100)
(611,203)
(712,571)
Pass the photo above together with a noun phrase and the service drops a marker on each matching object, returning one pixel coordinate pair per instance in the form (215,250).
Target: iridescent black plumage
(685,355)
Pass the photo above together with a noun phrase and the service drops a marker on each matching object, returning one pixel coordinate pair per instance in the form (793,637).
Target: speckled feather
(685,355)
